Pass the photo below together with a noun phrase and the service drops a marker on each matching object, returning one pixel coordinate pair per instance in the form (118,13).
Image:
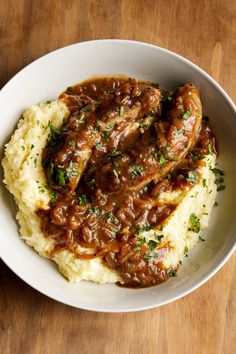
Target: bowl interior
(45,79)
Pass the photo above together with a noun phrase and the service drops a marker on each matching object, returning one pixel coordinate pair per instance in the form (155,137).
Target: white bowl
(45,79)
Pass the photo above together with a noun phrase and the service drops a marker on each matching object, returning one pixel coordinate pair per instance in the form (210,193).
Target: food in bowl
(115,180)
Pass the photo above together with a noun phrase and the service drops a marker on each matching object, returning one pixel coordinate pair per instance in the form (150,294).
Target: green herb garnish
(71,169)
(80,121)
(98,146)
(82,199)
(152,244)
(137,248)
(219,179)
(217,171)
(53,196)
(71,143)
(136,171)
(192,177)
(111,219)
(95,210)
(187,114)
(61,176)
(162,160)
(171,273)
(186,251)
(54,136)
(220,188)
(210,148)
(122,111)
(158,237)
(115,154)
(195,223)
(105,134)
(144,229)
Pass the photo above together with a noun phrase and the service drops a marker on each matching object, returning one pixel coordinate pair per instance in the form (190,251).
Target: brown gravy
(106,167)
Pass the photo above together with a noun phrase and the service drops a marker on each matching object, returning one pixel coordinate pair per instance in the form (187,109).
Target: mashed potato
(25,179)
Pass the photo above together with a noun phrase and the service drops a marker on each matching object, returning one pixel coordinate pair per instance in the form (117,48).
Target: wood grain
(202,322)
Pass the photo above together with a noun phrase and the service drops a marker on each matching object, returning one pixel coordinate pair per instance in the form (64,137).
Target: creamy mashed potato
(25,179)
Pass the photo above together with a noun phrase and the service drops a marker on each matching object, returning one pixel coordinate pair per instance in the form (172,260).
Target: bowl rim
(228,100)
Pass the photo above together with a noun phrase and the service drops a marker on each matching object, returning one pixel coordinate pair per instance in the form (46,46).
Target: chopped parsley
(95,211)
(111,219)
(40,189)
(186,251)
(171,273)
(69,88)
(23,148)
(152,244)
(162,160)
(105,134)
(187,114)
(90,181)
(115,154)
(144,229)
(194,156)
(217,171)
(71,169)
(192,177)
(141,240)
(61,176)
(53,196)
(136,171)
(219,178)
(162,157)
(204,183)
(80,121)
(195,225)
(85,109)
(151,256)
(158,237)
(137,248)
(167,98)
(54,136)
(220,188)
(32,146)
(71,143)
(98,146)
(122,111)
(110,126)
(143,126)
(200,238)
(82,199)
(210,148)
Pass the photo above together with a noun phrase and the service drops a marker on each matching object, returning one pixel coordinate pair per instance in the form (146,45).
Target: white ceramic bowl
(45,79)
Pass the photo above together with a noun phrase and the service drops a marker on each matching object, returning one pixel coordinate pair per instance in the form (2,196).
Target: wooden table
(202,322)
